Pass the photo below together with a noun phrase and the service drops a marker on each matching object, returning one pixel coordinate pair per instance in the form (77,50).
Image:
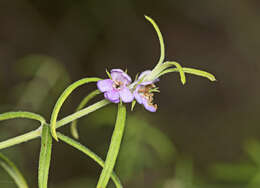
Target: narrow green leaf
(62,99)
(113,148)
(133,105)
(180,69)
(45,157)
(108,74)
(89,153)
(197,72)
(159,34)
(37,133)
(202,73)
(167,71)
(12,170)
(83,103)
(22,114)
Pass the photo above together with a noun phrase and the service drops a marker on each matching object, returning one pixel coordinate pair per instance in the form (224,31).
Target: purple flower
(143,92)
(116,88)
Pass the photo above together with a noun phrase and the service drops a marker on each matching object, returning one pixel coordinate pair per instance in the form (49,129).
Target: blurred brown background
(46,45)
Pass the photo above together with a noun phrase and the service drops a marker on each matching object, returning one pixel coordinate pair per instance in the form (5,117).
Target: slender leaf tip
(133,105)
(108,74)
(160,37)
(53,132)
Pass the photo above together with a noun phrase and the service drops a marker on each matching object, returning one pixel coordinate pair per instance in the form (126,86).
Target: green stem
(20,139)
(113,148)
(37,133)
(82,113)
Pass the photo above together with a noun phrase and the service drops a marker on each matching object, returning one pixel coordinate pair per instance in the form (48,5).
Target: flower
(116,87)
(144,86)
(119,87)
(143,92)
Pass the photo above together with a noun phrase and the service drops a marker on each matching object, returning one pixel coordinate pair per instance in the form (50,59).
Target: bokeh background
(204,134)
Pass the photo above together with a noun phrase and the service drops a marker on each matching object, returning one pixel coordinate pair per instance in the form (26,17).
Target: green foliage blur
(204,135)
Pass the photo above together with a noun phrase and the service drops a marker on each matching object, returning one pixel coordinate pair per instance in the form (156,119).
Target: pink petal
(149,107)
(126,95)
(120,75)
(137,96)
(105,85)
(112,96)
(144,73)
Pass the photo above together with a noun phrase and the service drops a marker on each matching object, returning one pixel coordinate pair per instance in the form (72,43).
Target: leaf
(180,69)
(113,148)
(202,73)
(89,153)
(82,104)
(45,157)
(62,99)
(12,170)
(21,114)
(159,34)
(108,74)
(25,137)
(133,105)
(197,72)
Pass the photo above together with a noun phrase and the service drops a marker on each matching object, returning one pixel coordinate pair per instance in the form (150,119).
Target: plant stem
(37,133)
(82,113)
(20,139)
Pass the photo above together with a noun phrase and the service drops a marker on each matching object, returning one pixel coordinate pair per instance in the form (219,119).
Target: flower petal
(126,95)
(112,96)
(145,73)
(120,75)
(137,96)
(105,85)
(149,107)
(116,70)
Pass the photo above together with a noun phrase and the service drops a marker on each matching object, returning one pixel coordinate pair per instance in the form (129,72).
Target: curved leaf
(22,114)
(159,34)
(12,170)
(82,104)
(197,72)
(89,153)
(37,133)
(45,157)
(114,147)
(62,99)
(180,69)
(202,73)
